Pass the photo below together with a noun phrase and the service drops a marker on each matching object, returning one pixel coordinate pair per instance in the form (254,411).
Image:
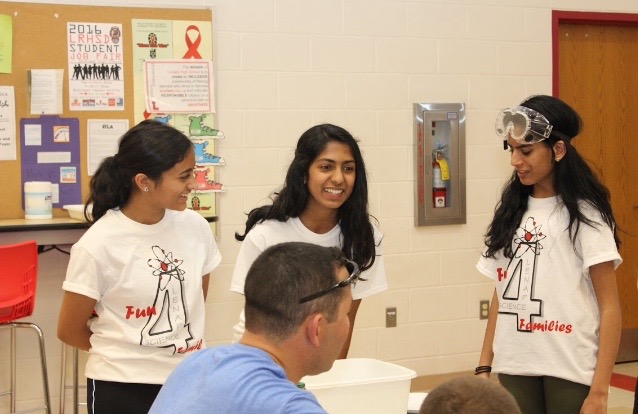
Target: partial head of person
(469,395)
(154,164)
(297,299)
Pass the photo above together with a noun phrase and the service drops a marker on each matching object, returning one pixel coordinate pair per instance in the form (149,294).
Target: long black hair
(356,230)
(150,148)
(574,182)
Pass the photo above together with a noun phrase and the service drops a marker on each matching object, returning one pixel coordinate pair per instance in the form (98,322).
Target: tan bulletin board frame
(40,42)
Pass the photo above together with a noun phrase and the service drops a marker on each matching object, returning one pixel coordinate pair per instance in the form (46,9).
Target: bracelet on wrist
(481,369)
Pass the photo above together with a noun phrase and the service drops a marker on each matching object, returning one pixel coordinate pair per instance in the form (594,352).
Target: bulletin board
(40,42)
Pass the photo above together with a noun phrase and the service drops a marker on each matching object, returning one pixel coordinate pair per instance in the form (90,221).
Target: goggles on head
(524,125)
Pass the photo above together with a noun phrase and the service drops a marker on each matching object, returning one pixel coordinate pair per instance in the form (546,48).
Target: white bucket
(362,386)
(38,200)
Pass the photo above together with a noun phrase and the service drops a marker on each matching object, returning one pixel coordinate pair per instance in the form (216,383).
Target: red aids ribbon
(192,52)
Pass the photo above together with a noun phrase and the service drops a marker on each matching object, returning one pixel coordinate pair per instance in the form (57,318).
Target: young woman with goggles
(552,248)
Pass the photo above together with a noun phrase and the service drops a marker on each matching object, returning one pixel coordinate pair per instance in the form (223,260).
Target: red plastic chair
(18,280)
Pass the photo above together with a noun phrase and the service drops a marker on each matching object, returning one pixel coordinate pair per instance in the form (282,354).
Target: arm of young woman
(487,352)
(205,281)
(604,281)
(72,323)
(352,315)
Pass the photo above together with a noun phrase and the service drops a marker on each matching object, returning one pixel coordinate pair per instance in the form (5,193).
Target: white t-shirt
(147,280)
(548,321)
(272,232)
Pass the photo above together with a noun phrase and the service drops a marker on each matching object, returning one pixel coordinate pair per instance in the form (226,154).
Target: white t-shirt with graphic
(147,280)
(548,320)
(271,232)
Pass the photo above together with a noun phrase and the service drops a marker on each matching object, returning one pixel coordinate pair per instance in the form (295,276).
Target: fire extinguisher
(439,189)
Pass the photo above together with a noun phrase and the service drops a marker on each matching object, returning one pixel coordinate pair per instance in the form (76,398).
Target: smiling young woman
(143,266)
(324,200)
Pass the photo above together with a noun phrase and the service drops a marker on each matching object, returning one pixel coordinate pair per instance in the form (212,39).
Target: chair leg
(45,372)
(43,362)
(76,385)
(12,366)
(63,380)
(13,370)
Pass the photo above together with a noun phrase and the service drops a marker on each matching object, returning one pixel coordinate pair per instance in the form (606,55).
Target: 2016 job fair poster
(96,66)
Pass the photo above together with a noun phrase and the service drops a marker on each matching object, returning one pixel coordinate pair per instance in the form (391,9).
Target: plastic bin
(76,211)
(362,386)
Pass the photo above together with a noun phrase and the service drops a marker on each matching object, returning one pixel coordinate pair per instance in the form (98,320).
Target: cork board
(40,42)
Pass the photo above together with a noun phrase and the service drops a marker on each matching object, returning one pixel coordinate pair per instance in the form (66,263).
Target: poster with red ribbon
(174,84)
(192,40)
(163,40)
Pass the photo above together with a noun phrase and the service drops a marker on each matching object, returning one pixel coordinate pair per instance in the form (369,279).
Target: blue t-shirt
(233,379)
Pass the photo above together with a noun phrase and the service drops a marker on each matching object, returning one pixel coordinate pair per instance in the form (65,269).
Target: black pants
(545,395)
(106,397)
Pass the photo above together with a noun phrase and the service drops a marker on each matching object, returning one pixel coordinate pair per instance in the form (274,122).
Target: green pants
(545,395)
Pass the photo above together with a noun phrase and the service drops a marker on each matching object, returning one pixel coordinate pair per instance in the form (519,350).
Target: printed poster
(6,43)
(7,123)
(192,40)
(96,66)
(103,137)
(152,39)
(184,86)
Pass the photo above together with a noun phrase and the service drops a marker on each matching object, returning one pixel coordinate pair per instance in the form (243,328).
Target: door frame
(628,350)
(575,17)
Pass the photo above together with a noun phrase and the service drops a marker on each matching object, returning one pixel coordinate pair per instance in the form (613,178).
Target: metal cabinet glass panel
(439,134)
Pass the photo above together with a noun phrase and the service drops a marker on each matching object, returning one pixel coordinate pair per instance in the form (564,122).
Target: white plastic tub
(362,386)
(76,211)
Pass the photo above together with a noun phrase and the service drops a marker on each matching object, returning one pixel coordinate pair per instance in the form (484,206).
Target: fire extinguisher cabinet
(439,135)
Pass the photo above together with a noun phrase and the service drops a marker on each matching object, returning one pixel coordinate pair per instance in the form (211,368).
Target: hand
(485,375)
(595,404)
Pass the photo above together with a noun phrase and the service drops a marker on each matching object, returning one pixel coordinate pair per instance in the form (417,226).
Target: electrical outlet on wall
(484,310)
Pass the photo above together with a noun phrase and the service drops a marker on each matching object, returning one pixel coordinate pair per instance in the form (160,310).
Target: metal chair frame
(21,307)
(75,386)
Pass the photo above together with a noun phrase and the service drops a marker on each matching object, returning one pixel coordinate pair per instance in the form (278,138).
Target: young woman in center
(554,324)
(324,200)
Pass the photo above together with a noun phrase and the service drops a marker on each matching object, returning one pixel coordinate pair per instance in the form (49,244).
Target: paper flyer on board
(102,139)
(179,86)
(152,39)
(96,66)
(6,43)
(192,40)
(7,123)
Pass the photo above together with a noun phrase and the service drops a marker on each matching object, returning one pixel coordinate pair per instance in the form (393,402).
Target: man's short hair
(280,277)
(469,395)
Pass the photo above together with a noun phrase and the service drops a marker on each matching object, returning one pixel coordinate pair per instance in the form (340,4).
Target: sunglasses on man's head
(353,269)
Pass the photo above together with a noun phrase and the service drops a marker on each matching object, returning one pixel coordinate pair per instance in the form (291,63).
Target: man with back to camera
(297,300)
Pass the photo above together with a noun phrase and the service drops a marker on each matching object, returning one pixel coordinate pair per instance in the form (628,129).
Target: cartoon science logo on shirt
(168,324)
(519,277)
